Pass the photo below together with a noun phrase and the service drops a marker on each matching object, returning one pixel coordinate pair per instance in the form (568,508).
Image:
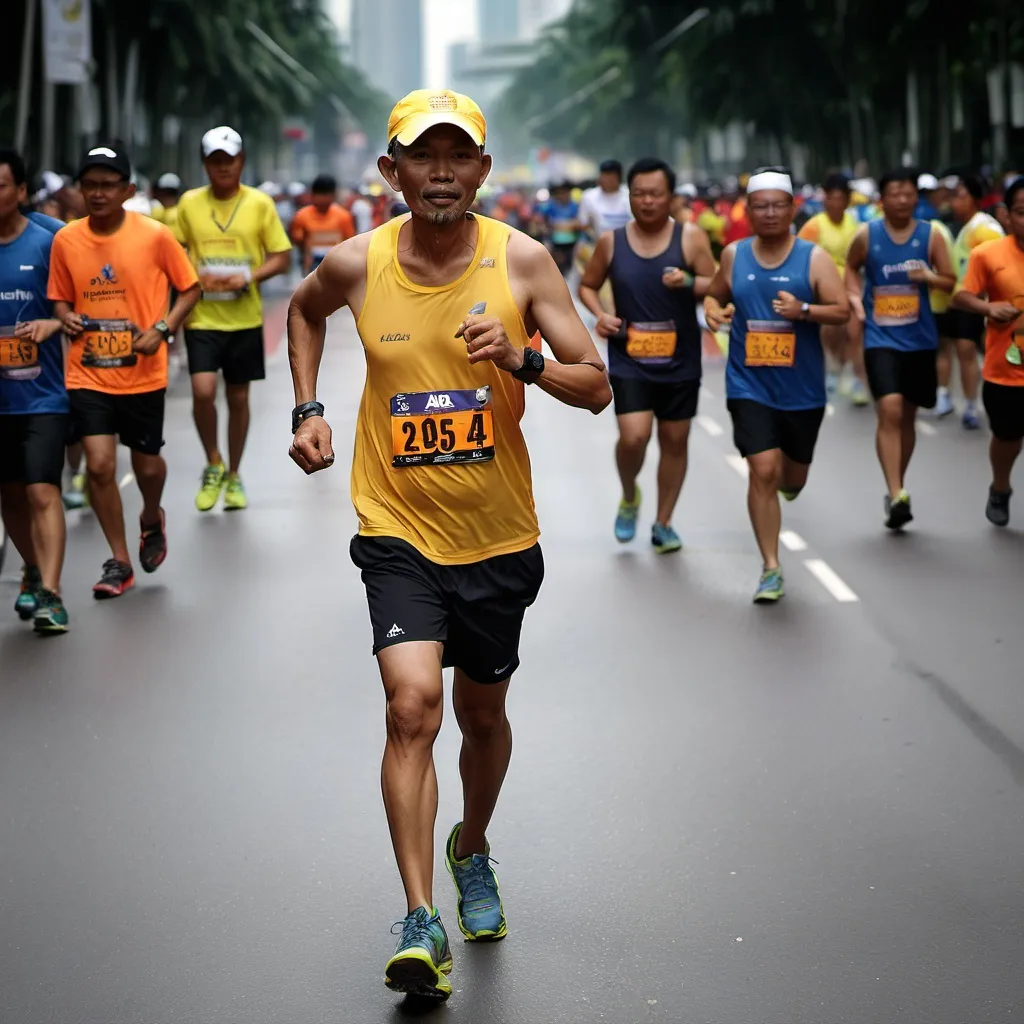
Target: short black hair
(975,186)
(323,183)
(649,165)
(1015,186)
(611,167)
(16,162)
(837,183)
(900,175)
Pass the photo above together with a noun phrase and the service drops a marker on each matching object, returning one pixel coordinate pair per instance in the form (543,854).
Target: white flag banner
(67,41)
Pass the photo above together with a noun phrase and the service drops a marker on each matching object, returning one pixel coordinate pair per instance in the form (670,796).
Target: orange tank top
(440,461)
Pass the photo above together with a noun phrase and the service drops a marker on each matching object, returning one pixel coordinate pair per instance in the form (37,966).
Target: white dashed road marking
(709,426)
(128,478)
(828,578)
(830,409)
(926,428)
(739,464)
(793,541)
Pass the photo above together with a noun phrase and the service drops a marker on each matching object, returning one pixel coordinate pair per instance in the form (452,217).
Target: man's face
(650,198)
(223,170)
(166,197)
(560,196)
(899,200)
(438,174)
(322,201)
(11,195)
(104,191)
(962,204)
(609,181)
(836,203)
(1016,217)
(771,212)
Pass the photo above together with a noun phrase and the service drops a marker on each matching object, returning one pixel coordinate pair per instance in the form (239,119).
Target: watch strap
(304,411)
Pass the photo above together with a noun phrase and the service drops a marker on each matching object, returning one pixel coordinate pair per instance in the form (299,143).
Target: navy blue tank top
(776,362)
(660,337)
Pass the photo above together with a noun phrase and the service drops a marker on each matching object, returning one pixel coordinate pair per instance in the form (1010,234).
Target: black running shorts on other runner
(910,374)
(138,420)
(760,428)
(958,323)
(1004,405)
(32,448)
(238,354)
(667,401)
(475,610)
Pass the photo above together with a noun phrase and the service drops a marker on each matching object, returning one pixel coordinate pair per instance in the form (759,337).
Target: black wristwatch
(532,368)
(304,411)
(161,328)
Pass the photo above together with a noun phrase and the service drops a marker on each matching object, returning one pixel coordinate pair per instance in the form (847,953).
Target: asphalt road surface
(803,814)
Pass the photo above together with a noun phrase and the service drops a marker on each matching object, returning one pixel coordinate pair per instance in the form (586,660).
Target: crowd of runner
(450,306)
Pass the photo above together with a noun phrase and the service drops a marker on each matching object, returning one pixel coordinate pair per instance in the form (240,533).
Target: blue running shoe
(665,539)
(832,383)
(970,419)
(26,603)
(481,915)
(770,587)
(625,521)
(423,959)
(943,405)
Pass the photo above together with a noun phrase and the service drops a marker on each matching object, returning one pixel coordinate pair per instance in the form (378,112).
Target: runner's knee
(413,715)
(238,397)
(479,725)
(42,497)
(101,470)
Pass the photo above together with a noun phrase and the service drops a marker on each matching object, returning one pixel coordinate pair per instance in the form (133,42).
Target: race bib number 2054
(431,428)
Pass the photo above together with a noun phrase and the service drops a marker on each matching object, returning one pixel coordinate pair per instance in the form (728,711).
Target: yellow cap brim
(419,123)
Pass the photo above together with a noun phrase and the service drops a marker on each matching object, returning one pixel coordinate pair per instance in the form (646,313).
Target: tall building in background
(497,20)
(535,14)
(387,43)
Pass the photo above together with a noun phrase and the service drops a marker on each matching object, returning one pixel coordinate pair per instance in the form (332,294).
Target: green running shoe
(665,539)
(234,493)
(625,520)
(31,582)
(789,495)
(770,587)
(423,958)
(51,616)
(481,915)
(209,492)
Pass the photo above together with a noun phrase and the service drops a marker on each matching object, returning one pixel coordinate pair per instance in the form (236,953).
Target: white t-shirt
(362,214)
(605,211)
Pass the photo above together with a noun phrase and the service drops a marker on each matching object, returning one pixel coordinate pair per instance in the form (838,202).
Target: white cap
(296,189)
(687,190)
(52,183)
(169,181)
(927,183)
(222,140)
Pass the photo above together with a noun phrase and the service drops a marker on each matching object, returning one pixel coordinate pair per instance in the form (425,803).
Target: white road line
(707,394)
(710,426)
(793,541)
(830,409)
(926,428)
(827,577)
(128,478)
(739,464)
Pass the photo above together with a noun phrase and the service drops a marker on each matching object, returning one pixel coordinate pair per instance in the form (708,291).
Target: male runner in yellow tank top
(445,303)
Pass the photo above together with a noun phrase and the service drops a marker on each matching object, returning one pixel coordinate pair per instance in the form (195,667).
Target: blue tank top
(660,337)
(776,362)
(898,313)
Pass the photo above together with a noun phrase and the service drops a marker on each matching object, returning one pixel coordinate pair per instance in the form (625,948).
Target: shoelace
(415,931)
(211,477)
(477,883)
(113,571)
(769,580)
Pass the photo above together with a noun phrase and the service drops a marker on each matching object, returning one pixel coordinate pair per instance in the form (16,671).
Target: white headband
(774,180)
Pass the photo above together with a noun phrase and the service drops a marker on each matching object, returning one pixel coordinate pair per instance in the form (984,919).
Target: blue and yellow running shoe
(665,539)
(481,915)
(625,520)
(423,959)
(51,616)
(770,587)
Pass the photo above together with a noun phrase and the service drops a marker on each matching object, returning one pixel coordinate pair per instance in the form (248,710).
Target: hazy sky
(444,22)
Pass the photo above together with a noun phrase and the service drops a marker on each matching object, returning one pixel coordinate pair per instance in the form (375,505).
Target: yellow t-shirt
(835,239)
(227,239)
(939,300)
(168,215)
(440,461)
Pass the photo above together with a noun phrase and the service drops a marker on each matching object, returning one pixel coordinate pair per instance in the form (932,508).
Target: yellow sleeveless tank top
(440,461)
(835,239)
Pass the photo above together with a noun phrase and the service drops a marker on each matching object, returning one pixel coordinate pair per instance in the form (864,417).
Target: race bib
(432,428)
(19,359)
(108,344)
(322,242)
(897,305)
(224,269)
(651,343)
(770,343)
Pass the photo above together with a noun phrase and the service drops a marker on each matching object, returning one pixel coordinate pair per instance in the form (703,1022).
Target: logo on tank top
(487,261)
(395,337)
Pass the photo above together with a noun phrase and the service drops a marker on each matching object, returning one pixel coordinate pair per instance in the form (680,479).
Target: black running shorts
(32,448)
(667,401)
(238,354)
(1004,405)
(475,610)
(138,420)
(959,323)
(759,428)
(910,374)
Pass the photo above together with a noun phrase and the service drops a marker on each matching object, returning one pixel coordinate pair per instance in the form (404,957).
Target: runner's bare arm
(973,295)
(833,305)
(70,321)
(697,253)
(855,258)
(596,273)
(274,264)
(718,307)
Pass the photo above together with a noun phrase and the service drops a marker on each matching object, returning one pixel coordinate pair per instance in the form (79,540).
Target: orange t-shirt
(123,279)
(317,232)
(996,269)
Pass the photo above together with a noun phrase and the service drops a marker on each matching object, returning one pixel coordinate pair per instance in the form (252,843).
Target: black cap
(610,167)
(111,156)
